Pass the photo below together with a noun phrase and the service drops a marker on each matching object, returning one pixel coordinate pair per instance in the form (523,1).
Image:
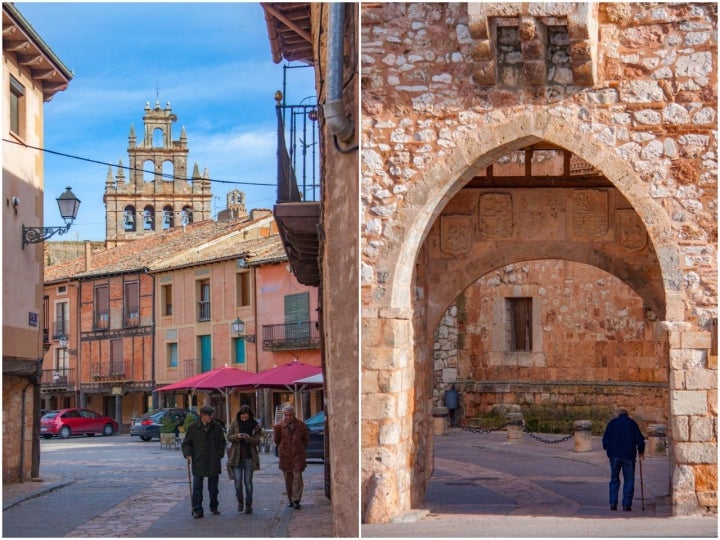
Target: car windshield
(316,420)
(50,415)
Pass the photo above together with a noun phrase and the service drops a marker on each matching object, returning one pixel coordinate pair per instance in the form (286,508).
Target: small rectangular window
(203,292)
(166,300)
(519,324)
(116,357)
(102,308)
(17,107)
(244,291)
(132,303)
(172,355)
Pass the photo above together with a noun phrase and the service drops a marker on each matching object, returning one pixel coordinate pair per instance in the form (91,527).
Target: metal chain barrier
(525,429)
(480,430)
(548,441)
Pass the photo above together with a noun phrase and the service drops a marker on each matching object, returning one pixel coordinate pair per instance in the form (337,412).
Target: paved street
(484,486)
(119,486)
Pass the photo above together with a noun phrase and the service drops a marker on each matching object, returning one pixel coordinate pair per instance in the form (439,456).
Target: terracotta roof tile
(197,243)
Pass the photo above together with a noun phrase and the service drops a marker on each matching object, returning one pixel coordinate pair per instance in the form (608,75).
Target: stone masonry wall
(600,347)
(636,98)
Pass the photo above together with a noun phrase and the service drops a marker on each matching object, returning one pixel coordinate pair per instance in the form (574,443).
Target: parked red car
(66,422)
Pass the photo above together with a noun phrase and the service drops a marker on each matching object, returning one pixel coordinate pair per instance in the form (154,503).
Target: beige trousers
(293,485)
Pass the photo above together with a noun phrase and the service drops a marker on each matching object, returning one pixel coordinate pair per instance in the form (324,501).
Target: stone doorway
(476,224)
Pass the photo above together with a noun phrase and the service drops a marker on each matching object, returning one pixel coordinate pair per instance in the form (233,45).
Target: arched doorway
(458,228)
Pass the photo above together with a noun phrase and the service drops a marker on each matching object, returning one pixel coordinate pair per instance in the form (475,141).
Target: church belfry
(154,194)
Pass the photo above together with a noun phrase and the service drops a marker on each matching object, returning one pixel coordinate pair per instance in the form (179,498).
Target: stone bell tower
(154,193)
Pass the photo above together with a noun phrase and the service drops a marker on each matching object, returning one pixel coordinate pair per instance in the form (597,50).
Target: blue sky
(211,61)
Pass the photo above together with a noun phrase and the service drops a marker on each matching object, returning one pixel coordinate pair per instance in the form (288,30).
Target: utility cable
(163,175)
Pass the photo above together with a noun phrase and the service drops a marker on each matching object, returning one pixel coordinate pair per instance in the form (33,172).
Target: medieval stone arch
(402,313)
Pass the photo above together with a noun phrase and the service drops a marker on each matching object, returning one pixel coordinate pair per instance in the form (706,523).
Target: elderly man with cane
(622,440)
(204,448)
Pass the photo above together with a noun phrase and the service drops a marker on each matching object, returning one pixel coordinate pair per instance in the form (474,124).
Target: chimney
(88,256)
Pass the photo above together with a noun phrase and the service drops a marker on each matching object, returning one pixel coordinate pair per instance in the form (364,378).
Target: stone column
(583,435)
(656,445)
(440,415)
(514,423)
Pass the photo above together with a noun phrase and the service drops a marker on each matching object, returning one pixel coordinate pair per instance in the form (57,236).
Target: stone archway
(397,453)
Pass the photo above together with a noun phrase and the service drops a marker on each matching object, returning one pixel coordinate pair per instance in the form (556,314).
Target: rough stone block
(695,452)
(688,402)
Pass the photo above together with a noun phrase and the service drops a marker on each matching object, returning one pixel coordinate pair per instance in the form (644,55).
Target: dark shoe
(627,508)
(197,515)
(240,505)
(613,507)
(291,504)
(215,510)
(248,509)
(296,505)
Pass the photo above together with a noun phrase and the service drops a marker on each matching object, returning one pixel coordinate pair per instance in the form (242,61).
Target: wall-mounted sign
(32,319)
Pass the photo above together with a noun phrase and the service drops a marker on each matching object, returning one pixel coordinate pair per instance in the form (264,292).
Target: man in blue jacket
(621,440)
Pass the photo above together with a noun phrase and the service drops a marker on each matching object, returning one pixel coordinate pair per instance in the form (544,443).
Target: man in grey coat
(204,447)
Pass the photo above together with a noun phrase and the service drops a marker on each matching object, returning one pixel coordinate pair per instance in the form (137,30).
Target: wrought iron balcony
(297,153)
(60,328)
(131,318)
(297,212)
(204,311)
(101,320)
(56,379)
(110,371)
(291,336)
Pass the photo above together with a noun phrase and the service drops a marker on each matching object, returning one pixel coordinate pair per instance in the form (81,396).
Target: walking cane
(192,510)
(642,489)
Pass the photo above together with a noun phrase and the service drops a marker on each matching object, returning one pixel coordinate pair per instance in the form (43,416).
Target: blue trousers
(627,466)
(243,476)
(197,492)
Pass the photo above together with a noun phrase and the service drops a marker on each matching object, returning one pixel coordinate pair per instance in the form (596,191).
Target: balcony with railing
(291,336)
(297,212)
(58,379)
(131,317)
(203,311)
(60,328)
(101,320)
(111,371)
(193,366)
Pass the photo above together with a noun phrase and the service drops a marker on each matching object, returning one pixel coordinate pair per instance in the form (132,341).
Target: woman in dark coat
(204,447)
(291,437)
(244,434)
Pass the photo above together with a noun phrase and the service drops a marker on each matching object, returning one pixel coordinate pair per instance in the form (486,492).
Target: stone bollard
(514,426)
(583,435)
(440,415)
(656,440)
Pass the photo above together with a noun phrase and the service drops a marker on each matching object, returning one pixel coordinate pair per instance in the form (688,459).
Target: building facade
(321,236)
(455,98)
(147,314)
(32,75)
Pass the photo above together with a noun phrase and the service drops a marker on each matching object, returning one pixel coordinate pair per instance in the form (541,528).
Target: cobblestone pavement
(114,504)
(483,485)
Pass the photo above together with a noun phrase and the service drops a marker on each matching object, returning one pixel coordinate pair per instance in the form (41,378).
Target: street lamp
(238,326)
(63,340)
(69,205)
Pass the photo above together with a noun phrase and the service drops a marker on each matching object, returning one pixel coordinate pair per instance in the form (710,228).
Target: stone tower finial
(157,180)
(196,171)
(109,180)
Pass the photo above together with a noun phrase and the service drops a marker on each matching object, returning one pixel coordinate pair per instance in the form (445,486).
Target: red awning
(285,376)
(216,379)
